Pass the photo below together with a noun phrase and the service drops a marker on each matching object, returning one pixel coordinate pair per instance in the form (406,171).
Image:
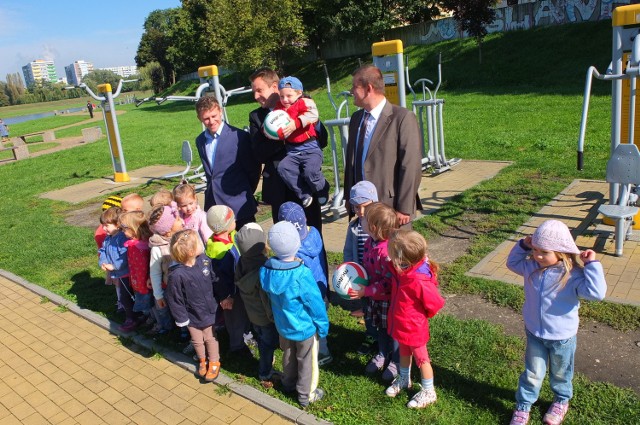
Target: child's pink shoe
(520,417)
(556,413)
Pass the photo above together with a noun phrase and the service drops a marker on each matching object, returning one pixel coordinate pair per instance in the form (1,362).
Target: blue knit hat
(291,83)
(293,213)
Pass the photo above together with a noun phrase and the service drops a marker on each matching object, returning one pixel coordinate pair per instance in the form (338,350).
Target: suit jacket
(235,174)
(393,162)
(269,152)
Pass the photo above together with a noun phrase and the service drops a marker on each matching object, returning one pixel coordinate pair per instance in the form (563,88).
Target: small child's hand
(587,255)
(161,303)
(356,294)
(527,242)
(107,267)
(227,303)
(289,129)
(149,283)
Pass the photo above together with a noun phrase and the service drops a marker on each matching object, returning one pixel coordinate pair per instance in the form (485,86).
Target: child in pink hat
(554,282)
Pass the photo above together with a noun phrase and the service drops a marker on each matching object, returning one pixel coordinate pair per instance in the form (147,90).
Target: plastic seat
(623,168)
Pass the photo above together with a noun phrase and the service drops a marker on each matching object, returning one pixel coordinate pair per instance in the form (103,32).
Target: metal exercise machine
(428,110)
(105,97)
(623,167)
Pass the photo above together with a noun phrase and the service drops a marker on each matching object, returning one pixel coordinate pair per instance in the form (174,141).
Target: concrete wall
(510,15)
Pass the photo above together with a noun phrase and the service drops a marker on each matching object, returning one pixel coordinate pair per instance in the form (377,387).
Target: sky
(104,33)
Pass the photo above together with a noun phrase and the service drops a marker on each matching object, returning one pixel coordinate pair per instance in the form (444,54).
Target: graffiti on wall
(525,14)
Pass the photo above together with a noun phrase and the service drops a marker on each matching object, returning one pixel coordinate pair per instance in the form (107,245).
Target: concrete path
(57,367)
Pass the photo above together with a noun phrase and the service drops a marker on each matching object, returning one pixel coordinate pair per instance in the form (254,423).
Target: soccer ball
(274,124)
(347,276)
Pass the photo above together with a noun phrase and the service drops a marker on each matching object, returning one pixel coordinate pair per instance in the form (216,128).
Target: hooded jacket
(414,299)
(549,312)
(298,309)
(247,276)
(113,251)
(310,252)
(159,262)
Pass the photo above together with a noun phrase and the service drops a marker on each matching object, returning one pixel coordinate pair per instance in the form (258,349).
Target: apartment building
(39,70)
(76,71)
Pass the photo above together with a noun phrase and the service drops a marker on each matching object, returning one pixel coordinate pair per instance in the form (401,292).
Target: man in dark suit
(384,146)
(231,169)
(264,83)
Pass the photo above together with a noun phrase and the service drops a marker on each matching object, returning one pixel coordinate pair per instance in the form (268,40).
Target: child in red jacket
(414,299)
(301,169)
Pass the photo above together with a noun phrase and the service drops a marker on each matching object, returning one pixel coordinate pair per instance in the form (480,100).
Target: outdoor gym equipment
(429,110)
(388,57)
(111,124)
(623,72)
(341,124)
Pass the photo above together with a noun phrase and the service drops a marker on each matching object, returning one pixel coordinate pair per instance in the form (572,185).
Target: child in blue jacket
(554,282)
(312,255)
(299,312)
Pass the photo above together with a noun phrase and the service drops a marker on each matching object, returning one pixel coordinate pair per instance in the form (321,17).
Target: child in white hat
(554,282)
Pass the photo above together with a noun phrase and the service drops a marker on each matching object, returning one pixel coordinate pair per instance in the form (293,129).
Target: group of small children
(193,262)
(402,295)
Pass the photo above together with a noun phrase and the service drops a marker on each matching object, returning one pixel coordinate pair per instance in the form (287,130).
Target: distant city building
(77,70)
(123,71)
(39,70)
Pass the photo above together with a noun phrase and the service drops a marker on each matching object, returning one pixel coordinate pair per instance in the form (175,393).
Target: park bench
(47,136)
(20,150)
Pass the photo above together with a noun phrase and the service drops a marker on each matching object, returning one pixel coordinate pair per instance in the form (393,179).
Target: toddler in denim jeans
(554,282)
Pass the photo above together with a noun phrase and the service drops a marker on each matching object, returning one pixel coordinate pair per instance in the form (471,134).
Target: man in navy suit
(231,169)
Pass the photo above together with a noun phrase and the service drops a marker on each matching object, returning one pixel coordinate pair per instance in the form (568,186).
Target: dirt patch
(88,216)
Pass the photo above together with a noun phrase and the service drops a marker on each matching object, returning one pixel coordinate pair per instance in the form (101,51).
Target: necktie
(359,172)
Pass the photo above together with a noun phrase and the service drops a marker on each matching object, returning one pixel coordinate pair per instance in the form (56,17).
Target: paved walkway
(57,367)
(577,206)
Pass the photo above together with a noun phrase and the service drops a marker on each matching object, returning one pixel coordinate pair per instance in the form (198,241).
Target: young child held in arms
(113,260)
(554,282)
(191,300)
(135,227)
(298,310)
(304,154)
(251,242)
(380,221)
(193,216)
(224,256)
(414,299)
(312,254)
(362,195)
(164,221)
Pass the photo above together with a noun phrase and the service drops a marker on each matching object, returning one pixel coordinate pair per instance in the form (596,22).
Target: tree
(326,20)
(101,76)
(472,16)
(246,34)
(152,77)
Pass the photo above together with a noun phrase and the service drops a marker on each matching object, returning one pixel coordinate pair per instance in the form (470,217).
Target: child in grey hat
(298,311)
(312,254)
(252,245)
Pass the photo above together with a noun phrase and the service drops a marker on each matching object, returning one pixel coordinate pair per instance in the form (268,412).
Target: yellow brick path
(58,368)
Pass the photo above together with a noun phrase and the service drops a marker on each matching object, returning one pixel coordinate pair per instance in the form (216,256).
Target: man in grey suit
(384,146)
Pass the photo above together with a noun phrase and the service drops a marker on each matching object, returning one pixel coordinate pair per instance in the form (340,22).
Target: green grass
(523,105)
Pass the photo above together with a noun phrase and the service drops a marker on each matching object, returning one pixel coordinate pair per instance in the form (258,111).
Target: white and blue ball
(274,124)
(347,276)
